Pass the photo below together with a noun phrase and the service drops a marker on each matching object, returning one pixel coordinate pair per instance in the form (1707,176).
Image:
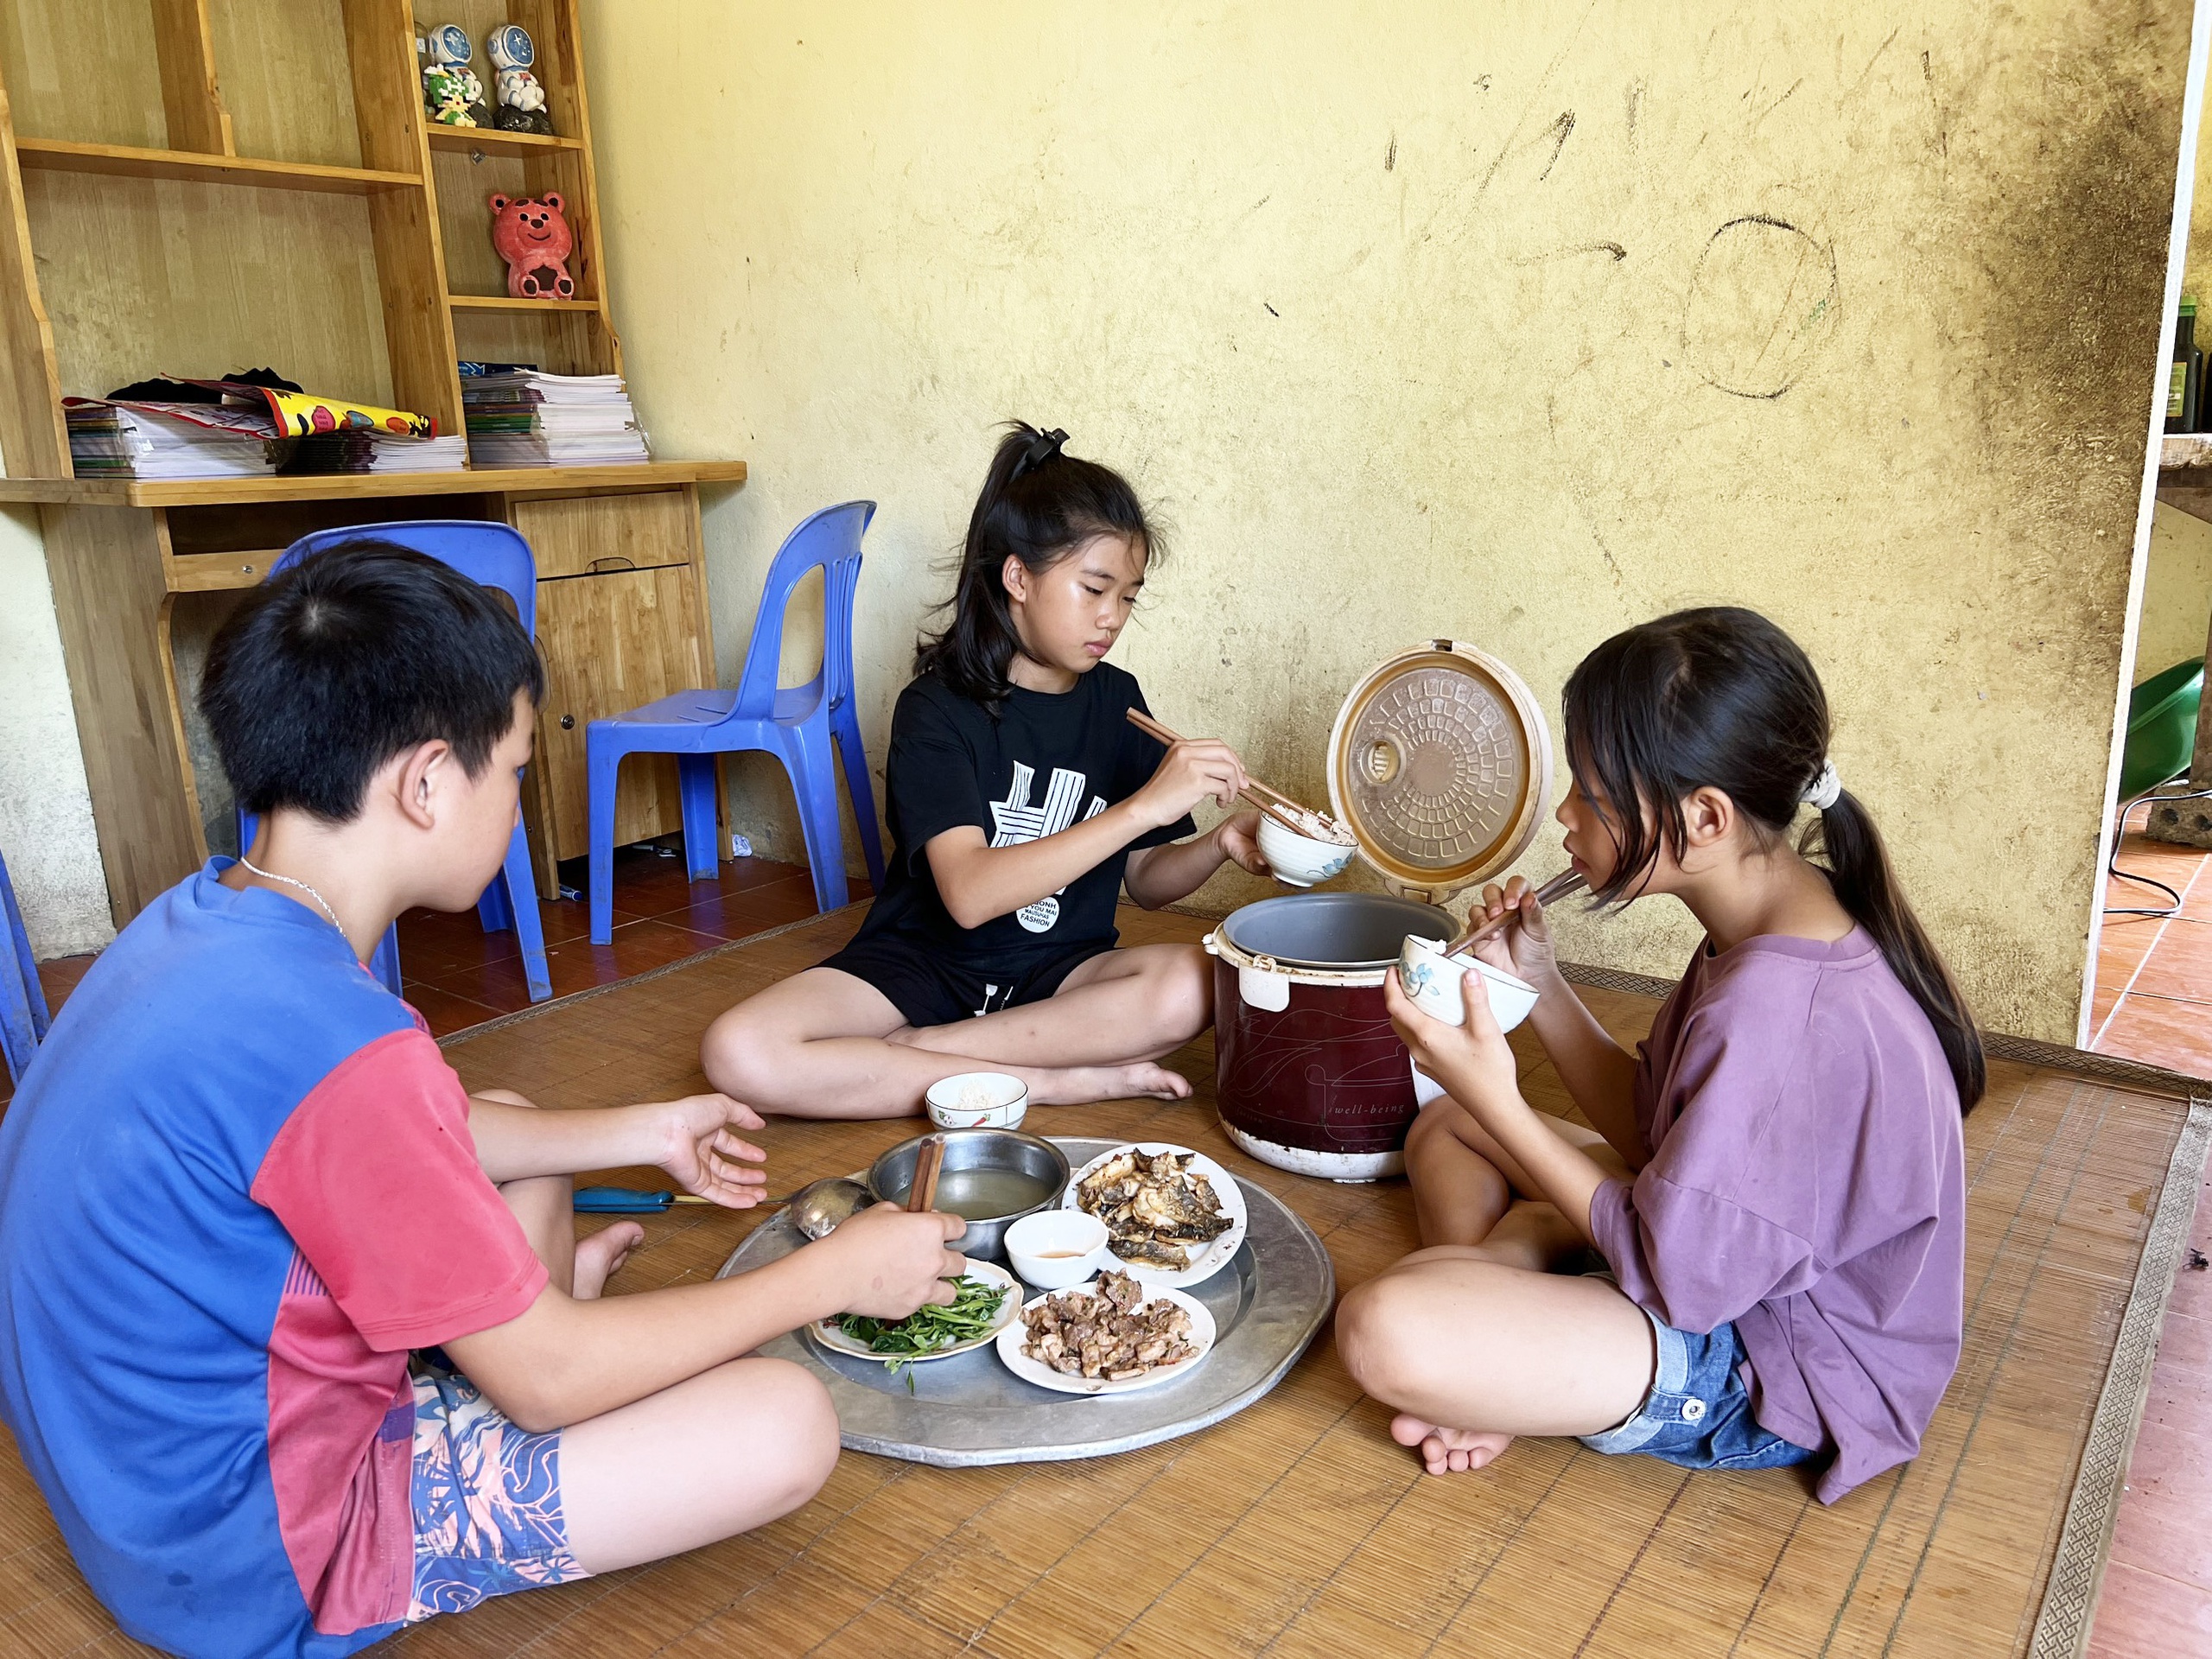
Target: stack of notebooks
(166,440)
(238,429)
(522,416)
(369,450)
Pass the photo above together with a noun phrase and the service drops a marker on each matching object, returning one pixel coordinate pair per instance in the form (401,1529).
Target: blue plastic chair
(23,1018)
(797,725)
(492,556)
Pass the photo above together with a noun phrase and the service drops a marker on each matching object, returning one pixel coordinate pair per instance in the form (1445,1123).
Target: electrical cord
(2112,861)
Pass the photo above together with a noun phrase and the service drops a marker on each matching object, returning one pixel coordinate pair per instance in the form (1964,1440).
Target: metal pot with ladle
(1440,768)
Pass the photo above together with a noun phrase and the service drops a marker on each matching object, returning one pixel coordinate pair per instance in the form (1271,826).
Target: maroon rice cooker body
(1323,1078)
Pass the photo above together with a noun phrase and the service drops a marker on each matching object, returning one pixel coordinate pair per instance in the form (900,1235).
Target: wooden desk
(144,573)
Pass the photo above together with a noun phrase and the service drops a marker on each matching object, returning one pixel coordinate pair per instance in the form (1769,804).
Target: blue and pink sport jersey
(236,1188)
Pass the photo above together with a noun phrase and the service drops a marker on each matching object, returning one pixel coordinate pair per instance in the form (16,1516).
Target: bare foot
(598,1257)
(1448,1451)
(1078,1085)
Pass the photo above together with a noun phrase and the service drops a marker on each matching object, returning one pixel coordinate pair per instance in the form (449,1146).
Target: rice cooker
(1439,765)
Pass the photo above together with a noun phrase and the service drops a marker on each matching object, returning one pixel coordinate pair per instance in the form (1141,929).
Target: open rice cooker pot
(1439,765)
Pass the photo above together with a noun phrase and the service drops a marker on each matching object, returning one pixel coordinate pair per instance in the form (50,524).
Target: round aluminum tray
(970,1409)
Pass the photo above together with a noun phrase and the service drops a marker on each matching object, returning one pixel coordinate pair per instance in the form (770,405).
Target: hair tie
(1042,449)
(1824,789)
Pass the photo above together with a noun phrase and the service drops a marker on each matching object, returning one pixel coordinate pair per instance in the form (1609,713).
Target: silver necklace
(271,876)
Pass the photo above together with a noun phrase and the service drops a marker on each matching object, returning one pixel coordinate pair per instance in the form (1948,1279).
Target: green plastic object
(2161,727)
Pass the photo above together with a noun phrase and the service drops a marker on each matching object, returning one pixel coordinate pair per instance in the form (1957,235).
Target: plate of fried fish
(1111,1335)
(1173,1217)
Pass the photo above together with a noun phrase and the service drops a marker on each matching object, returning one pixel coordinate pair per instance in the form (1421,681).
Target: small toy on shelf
(533,238)
(451,92)
(522,98)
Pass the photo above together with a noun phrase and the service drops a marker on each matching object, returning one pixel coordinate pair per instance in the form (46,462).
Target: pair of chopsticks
(929,1164)
(1564,884)
(1273,802)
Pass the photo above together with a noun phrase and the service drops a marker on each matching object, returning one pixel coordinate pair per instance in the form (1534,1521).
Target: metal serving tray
(1268,1303)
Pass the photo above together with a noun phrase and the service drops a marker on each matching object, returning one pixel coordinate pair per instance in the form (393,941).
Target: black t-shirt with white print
(1045,761)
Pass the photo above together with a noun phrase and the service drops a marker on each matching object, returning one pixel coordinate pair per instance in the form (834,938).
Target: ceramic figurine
(451,92)
(534,240)
(522,98)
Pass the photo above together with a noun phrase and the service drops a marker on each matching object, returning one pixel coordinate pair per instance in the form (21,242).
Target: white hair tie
(1823,792)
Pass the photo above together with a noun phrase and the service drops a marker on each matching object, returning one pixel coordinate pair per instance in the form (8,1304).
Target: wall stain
(1390,154)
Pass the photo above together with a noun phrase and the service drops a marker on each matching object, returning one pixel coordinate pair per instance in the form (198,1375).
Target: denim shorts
(1698,1415)
(486,1499)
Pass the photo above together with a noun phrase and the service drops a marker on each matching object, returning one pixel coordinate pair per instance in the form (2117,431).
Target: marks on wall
(1761,302)
(1614,249)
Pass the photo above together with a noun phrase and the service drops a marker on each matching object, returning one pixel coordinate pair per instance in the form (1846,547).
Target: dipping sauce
(987,1194)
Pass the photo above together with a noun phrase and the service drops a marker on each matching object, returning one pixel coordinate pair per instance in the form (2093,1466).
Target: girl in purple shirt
(1775,1182)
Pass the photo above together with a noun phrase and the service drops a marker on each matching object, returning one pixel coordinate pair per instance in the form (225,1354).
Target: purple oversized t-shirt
(1807,1180)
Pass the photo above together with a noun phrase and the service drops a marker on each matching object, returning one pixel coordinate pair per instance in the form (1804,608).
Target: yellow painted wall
(1519,323)
(2176,592)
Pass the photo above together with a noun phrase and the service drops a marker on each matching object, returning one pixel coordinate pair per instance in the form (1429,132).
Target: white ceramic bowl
(1431,980)
(1055,1249)
(978,1100)
(1299,861)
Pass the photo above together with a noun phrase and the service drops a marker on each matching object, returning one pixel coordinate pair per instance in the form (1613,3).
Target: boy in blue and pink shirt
(296,1335)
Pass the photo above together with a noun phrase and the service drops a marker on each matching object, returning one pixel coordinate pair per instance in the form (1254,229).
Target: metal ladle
(817,1208)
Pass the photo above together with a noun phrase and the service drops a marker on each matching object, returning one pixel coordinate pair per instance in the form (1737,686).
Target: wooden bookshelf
(341,487)
(217,184)
(123,161)
(509,303)
(478,141)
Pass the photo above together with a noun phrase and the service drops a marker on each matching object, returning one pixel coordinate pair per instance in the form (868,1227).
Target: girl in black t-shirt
(1022,803)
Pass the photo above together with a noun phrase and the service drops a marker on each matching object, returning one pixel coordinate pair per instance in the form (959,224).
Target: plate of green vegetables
(987,1300)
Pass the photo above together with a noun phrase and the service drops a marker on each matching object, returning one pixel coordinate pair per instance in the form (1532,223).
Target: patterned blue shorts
(1698,1415)
(486,1500)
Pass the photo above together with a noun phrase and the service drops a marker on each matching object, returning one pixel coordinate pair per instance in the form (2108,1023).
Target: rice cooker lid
(1441,766)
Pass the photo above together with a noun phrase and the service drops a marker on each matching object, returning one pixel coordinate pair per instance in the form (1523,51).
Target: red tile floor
(2153,1003)
(2153,996)
(457,975)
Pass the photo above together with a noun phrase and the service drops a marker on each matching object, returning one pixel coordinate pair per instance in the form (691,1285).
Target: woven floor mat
(1298,1527)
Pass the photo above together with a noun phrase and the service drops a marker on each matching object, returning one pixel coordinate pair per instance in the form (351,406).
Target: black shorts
(929,988)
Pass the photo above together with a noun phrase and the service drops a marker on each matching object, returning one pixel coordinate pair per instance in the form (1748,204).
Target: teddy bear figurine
(532,235)
(451,92)
(522,98)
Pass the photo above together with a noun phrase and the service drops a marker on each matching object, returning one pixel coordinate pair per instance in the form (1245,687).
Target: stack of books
(522,416)
(243,430)
(370,449)
(167,440)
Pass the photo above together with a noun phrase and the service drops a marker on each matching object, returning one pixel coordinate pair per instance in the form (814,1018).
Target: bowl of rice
(978,1100)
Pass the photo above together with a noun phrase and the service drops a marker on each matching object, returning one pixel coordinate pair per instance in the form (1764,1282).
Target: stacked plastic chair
(23,1018)
(492,556)
(799,725)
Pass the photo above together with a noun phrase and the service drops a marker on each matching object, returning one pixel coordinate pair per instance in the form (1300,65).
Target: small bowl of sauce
(1055,1249)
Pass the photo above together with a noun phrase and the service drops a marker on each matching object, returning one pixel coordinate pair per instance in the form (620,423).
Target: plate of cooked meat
(1111,1335)
(1173,1217)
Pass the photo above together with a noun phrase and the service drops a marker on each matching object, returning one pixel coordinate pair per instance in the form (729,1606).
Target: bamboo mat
(1298,1527)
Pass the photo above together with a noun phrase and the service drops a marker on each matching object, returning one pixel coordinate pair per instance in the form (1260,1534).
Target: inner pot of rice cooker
(1440,768)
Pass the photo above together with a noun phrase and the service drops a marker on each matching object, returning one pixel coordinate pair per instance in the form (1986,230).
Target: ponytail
(1858,866)
(1722,698)
(1039,504)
